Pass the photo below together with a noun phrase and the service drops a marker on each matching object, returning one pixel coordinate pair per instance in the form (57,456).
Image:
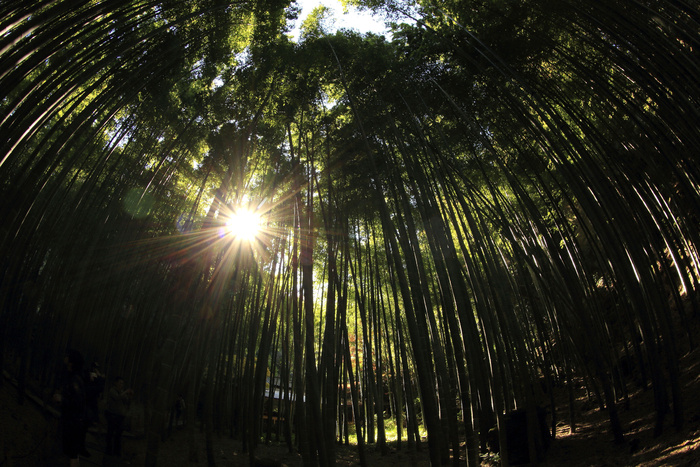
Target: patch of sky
(241,58)
(327,101)
(353,18)
(197,163)
(117,135)
(197,69)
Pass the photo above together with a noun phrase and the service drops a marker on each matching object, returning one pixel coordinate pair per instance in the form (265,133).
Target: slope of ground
(28,437)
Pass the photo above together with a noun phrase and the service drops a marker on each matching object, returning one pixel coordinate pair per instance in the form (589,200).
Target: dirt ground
(592,444)
(29,438)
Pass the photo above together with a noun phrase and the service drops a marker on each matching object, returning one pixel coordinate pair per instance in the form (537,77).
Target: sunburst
(244,224)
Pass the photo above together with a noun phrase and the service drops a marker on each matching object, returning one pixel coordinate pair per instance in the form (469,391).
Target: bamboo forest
(448,244)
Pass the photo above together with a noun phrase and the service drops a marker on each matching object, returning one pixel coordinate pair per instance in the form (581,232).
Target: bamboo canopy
(501,198)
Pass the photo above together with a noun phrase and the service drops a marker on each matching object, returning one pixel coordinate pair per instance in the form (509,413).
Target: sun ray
(244,224)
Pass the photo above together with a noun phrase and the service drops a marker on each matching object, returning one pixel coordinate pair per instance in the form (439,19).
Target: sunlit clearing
(244,224)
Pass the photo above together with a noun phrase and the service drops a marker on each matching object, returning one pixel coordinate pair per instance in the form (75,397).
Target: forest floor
(29,438)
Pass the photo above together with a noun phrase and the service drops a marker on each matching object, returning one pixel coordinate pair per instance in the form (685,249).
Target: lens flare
(244,224)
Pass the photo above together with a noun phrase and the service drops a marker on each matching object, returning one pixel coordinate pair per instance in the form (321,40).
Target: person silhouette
(72,400)
(94,385)
(118,400)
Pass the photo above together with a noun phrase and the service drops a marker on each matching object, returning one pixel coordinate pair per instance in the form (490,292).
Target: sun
(244,224)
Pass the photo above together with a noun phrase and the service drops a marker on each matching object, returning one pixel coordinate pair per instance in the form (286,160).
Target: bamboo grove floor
(27,438)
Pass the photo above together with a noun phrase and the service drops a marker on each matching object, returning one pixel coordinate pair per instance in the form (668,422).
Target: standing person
(118,401)
(94,385)
(72,400)
(179,409)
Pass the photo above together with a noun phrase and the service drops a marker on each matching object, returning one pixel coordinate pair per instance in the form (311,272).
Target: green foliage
(502,190)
